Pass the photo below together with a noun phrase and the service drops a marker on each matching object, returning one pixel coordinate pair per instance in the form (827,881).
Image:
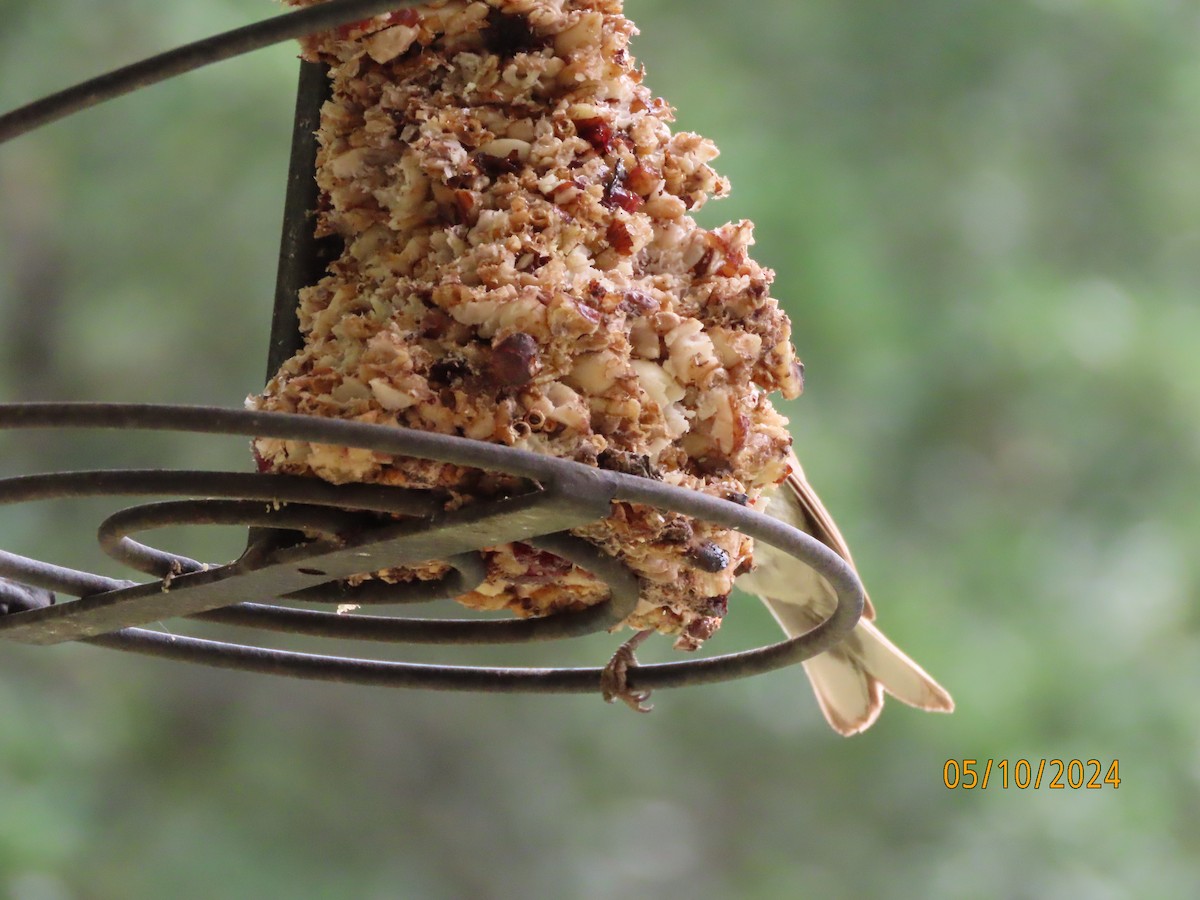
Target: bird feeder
(308,539)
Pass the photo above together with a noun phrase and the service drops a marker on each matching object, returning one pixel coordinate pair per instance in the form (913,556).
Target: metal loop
(516,516)
(114,540)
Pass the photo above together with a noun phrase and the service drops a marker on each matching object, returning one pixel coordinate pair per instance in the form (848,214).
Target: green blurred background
(985,220)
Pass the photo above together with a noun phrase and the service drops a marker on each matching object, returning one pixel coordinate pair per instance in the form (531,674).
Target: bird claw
(614,680)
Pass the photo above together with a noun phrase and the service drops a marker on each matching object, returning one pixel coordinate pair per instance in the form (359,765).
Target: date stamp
(1026,774)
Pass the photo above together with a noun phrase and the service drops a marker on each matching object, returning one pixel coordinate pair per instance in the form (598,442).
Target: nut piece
(514,360)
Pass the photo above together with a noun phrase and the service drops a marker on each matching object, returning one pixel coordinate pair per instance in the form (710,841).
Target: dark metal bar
(231,485)
(621,580)
(302,255)
(414,631)
(188,58)
(456,678)
(190,593)
(50,577)
(289,426)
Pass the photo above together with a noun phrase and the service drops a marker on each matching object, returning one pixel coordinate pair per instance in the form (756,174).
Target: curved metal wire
(114,540)
(304,504)
(454,631)
(188,58)
(564,485)
(340,531)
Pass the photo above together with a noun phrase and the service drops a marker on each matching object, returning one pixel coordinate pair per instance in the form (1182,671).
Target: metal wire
(352,546)
(188,58)
(568,492)
(309,539)
(302,255)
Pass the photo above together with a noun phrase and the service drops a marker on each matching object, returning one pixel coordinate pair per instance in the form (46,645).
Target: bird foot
(614,680)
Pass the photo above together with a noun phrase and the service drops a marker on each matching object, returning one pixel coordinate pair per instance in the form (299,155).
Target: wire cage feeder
(308,537)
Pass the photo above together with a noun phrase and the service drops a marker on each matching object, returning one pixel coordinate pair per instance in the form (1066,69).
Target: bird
(850,679)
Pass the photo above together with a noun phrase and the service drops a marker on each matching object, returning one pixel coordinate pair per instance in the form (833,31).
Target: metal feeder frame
(307,536)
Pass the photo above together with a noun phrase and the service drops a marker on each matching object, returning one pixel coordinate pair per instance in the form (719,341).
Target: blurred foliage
(985,220)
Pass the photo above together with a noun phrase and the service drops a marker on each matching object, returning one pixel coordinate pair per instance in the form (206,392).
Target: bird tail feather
(851,679)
